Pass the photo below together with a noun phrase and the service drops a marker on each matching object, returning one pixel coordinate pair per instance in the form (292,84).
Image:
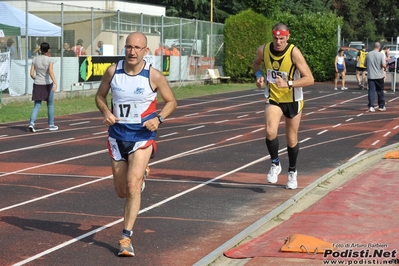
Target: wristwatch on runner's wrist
(290,84)
(160,119)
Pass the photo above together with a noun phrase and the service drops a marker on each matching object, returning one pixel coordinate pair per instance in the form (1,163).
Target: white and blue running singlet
(133,102)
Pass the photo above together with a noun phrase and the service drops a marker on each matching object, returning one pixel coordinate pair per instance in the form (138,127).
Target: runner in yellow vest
(361,67)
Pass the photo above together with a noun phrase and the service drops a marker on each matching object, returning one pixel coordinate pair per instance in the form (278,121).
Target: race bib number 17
(128,113)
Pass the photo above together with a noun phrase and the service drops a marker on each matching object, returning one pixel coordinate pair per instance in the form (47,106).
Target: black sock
(272,146)
(292,157)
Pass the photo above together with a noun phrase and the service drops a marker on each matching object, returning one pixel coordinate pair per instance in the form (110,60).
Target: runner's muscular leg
(137,163)
(273,115)
(119,171)
(292,127)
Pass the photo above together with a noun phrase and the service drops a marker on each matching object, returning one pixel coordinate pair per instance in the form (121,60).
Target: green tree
(243,34)
(362,19)
(298,7)
(264,7)
(315,34)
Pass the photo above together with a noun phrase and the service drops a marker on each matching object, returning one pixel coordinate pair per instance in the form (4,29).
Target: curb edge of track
(214,255)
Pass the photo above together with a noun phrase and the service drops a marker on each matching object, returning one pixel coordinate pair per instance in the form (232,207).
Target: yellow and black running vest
(362,58)
(280,64)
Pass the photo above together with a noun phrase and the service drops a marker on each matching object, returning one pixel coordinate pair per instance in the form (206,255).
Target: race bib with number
(128,113)
(272,75)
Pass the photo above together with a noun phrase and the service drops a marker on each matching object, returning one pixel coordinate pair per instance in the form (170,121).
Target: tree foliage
(243,33)
(315,34)
(373,20)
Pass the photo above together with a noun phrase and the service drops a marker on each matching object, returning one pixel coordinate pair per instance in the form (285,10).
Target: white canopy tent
(38,27)
(30,25)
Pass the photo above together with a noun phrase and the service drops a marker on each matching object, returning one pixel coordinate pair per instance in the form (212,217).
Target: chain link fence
(102,33)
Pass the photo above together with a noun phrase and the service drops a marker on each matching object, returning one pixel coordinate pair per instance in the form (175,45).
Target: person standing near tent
(79,49)
(11,48)
(36,51)
(68,52)
(174,51)
(100,50)
(44,86)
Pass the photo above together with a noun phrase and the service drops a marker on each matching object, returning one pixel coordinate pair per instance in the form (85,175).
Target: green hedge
(243,33)
(315,34)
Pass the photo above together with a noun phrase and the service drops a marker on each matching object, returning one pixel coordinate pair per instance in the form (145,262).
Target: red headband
(281,32)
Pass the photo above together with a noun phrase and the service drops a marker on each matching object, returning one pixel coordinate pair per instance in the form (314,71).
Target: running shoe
(344,88)
(383,109)
(274,171)
(146,173)
(292,182)
(32,128)
(125,247)
(52,128)
(335,89)
(371,109)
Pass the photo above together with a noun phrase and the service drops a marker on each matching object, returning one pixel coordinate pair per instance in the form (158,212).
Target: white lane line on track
(304,140)
(48,251)
(241,116)
(352,99)
(218,100)
(56,162)
(175,196)
(358,155)
(393,99)
(38,146)
(322,132)
(87,183)
(222,121)
(375,142)
(337,125)
(120,220)
(181,154)
(194,128)
(55,193)
(256,130)
(232,106)
(234,137)
(386,134)
(46,131)
(80,123)
(191,114)
(99,133)
(349,119)
(57,176)
(167,135)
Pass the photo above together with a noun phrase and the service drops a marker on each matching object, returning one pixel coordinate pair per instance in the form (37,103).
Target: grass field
(20,111)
